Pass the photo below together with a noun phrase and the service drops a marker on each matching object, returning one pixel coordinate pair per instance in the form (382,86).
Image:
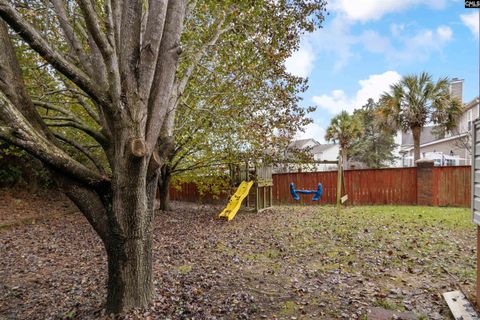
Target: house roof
(300,144)
(425,137)
(320,148)
(472,103)
(439,141)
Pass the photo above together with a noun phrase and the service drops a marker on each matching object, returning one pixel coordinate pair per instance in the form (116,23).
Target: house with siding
(451,149)
(318,151)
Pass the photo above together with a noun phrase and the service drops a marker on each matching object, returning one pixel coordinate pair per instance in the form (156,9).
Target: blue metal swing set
(317,193)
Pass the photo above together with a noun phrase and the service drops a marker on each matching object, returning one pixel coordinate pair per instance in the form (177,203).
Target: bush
(19,169)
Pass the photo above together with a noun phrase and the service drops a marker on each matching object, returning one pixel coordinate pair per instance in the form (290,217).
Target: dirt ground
(285,263)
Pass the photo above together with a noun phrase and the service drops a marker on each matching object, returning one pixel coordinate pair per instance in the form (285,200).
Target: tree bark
(129,249)
(416,131)
(164,186)
(129,274)
(344,159)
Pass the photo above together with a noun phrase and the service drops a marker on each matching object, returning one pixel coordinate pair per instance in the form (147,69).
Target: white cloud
(334,102)
(422,45)
(444,33)
(375,85)
(374,42)
(301,62)
(335,39)
(401,46)
(372,87)
(397,29)
(472,22)
(410,48)
(314,131)
(365,10)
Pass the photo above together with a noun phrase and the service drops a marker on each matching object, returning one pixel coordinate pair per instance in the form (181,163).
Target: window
(450,162)
(469,127)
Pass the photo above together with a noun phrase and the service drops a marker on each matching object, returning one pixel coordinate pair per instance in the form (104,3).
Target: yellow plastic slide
(236,200)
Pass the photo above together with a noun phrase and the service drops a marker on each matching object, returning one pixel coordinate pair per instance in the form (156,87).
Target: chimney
(456,88)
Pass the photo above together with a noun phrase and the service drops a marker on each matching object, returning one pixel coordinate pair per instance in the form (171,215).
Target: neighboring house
(320,152)
(452,149)
(325,152)
(302,144)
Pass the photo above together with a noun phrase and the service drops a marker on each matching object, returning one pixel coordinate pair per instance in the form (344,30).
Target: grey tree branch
(22,134)
(72,40)
(116,6)
(100,138)
(51,106)
(82,149)
(160,94)
(70,120)
(91,112)
(219,29)
(55,58)
(152,37)
(129,55)
(107,49)
(93,27)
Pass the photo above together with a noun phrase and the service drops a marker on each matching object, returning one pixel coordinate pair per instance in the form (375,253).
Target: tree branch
(100,138)
(83,150)
(72,40)
(150,46)
(179,87)
(70,120)
(50,106)
(22,134)
(165,71)
(55,58)
(93,27)
(91,112)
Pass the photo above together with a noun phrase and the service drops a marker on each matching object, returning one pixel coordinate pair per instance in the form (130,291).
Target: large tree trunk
(164,187)
(416,131)
(129,249)
(129,273)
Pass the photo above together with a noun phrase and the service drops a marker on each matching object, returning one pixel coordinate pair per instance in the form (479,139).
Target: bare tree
(123,56)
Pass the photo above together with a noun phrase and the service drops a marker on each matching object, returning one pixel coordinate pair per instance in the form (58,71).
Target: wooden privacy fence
(372,186)
(426,185)
(189,192)
(452,186)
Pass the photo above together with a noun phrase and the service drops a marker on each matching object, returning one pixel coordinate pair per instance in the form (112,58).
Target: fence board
(372,186)
(450,186)
(189,192)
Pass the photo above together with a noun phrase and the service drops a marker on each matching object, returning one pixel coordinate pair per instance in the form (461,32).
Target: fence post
(425,182)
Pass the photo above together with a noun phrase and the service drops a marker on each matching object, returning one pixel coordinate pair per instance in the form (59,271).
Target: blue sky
(366,45)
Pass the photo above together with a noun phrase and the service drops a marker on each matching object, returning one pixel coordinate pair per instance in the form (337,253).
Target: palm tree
(344,129)
(415,101)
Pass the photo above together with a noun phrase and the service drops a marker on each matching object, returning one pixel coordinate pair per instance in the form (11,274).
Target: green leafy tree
(236,100)
(415,101)
(344,129)
(375,147)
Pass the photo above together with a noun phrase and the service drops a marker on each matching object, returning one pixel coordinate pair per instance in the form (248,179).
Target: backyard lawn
(286,263)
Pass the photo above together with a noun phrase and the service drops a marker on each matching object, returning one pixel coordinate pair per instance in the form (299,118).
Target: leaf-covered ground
(285,263)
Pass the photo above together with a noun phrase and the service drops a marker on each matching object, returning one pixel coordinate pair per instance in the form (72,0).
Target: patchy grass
(285,263)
